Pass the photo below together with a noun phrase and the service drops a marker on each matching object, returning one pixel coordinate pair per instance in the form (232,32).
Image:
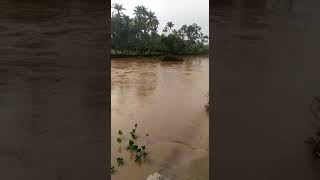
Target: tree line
(139,34)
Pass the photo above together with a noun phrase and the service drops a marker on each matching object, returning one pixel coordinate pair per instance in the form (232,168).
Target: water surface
(266,73)
(53,104)
(166,100)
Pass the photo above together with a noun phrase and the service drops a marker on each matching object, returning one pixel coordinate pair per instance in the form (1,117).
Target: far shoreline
(142,56)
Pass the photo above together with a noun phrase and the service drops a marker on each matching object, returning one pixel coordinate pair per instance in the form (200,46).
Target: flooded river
(266,73)
(167,100)
(53,100)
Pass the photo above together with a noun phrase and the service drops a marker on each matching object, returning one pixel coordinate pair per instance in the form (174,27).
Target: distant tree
(139,34)
(193,33)
(141,19)
(152,22)
(118,7)
(168,27)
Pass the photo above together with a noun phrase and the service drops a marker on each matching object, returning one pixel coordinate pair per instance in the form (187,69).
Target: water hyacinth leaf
(145,154)
(112,170)
(138,157)
(131,145)
(120,161)
(133,135)
(120,132)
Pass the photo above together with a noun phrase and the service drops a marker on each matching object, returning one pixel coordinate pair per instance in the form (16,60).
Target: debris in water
(157,176)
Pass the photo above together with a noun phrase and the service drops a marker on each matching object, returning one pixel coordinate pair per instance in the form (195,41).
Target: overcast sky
(178,11)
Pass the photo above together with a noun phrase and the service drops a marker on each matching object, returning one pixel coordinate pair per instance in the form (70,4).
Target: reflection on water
(52,65)
(167,100)
(264,54)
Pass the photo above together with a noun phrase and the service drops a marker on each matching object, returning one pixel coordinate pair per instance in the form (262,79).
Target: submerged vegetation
(139,153)
(120,161)
(113,170)
(139,35)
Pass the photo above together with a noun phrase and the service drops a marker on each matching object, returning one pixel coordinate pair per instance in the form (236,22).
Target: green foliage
(132,146)
(138,157)
(144,153)
(112,170)
(120,161)
(119,140)
(139,35)
(120,132)
(133,132)
(141,153)
(138,152)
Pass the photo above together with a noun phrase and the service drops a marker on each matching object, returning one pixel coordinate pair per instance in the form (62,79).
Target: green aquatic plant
(144,153)
(133,132)
(138,157)
(133,135)
(112,170)
(138,152)
(120,132)
(141,153)
(132,146)
(120,161)
(119,140)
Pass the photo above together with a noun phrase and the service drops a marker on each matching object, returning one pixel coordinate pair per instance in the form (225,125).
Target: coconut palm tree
(118,7)
(140,11)
(153,22)
(170,26)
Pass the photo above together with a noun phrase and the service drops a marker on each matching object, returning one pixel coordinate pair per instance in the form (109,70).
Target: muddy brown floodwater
(53,104)
(167,101)
(266,73)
